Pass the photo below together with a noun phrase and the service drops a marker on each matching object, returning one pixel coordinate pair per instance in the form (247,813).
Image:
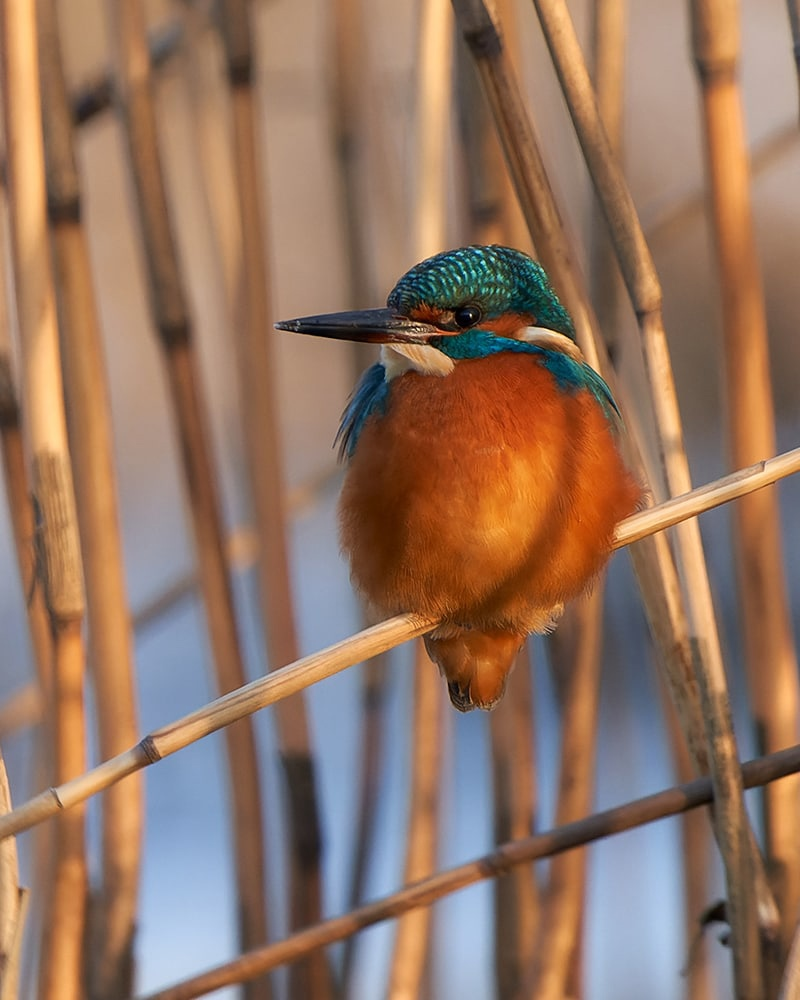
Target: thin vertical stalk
(171,318)
(265,468)
(372,755)
(793,7)
(346,108)
(59,565)
(609,35)
(411,947)
(113,914)
(743,873)
(766,625)
(428,225)
(575,662)
(516,896)
(11,909)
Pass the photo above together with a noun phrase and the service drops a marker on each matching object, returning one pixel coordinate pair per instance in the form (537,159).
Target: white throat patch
(399,358)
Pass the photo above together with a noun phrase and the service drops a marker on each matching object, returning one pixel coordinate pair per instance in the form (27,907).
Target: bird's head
(443,302)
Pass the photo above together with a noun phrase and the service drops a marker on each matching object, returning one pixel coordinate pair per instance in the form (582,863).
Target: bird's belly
(486,496)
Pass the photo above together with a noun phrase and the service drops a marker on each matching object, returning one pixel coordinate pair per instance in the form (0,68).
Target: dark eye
(467,316)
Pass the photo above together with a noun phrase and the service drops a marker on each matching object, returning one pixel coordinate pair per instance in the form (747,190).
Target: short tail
(476,664)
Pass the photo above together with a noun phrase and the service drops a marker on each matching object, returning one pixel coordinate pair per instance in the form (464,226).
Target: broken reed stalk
(575,664)
(265,470)
(769,646)
(670,802)
(412,941)
(171,319)
(744,876)
(57,534)
(114,910)
(311,669)
(516,895)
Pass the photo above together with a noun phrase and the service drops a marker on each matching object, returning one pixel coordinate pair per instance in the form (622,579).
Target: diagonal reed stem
(743,871)
(171,318)
(311,669)
(671,802)
(114,911)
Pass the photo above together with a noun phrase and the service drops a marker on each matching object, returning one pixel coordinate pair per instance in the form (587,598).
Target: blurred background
(633,927)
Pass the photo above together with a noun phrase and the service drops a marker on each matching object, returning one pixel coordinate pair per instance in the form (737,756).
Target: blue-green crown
(498,279)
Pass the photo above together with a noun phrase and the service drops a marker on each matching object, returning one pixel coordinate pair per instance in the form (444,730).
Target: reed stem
(769,646)
(412,943)
(516,895)
(671,802)
(114,910)
(59,566)
(171,319)
(265,469)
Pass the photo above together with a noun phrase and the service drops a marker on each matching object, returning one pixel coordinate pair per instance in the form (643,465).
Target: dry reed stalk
(411,947)
(751,909)
(516,895)
(373,753)
(311,669)
(171,319)
(23,523)
(348,128)
(59,566)
(575,662)
(222,712)
(265,470)
(609,37)
(790,986)
(434,47)
(114,908)
(11,905)
(794,22)
(671,802)
(698,973)
(769,647)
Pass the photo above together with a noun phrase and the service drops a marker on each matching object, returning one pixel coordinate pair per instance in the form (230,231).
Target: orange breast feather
(487,497)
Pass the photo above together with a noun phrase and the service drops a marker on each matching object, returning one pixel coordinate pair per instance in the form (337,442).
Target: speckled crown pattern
(497,278)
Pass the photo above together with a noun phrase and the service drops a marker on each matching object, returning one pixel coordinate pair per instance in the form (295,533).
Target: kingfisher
(484,478)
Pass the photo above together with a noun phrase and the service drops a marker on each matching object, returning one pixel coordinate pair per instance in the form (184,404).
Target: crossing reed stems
(671,802)
(114,911)
(311,669)
(171,319)
(412,943)
(59,567)
(574,651)
(516,895)
(769,646)
(743,872)
(265,470)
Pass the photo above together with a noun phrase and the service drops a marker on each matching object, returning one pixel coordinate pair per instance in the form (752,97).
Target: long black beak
(371,326)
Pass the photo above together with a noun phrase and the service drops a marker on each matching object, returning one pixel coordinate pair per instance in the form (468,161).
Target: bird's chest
(467,459)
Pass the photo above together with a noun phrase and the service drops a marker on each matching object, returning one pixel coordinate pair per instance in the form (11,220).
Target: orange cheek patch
(508,324)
